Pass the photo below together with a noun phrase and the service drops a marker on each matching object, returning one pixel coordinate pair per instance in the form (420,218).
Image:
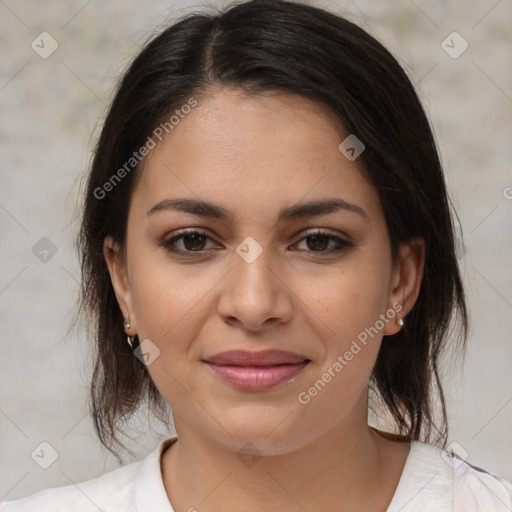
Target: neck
(348,468)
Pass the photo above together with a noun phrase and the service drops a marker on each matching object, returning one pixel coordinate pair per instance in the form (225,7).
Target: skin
(255,156)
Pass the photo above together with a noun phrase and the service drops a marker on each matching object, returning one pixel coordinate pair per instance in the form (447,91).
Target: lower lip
(251,378)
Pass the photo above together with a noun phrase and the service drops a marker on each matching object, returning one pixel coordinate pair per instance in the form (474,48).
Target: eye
(187,242)
(318,241)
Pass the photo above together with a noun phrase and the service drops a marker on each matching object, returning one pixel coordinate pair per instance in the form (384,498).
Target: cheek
(349,299)
(172,307)
(168,297)
(347,309)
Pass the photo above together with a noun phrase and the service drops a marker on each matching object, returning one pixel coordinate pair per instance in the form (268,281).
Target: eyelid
(325,232)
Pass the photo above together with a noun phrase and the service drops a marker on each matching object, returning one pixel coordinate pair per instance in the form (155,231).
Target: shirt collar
(150,493)
(426,483)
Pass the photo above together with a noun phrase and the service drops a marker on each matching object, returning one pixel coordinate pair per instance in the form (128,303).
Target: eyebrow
(297,211)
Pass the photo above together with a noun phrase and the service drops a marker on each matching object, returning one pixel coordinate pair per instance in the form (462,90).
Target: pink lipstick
(256,371)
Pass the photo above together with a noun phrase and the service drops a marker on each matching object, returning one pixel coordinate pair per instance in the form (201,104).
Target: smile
(256,371)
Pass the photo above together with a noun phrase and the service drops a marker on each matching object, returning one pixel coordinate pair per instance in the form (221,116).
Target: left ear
(406,280)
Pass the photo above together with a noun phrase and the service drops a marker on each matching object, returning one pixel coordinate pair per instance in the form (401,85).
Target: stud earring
(400,322)
(127,325)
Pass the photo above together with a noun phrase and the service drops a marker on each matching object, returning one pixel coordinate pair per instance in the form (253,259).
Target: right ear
(118,275)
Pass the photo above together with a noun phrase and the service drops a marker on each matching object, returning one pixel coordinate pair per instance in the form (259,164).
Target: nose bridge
(253,262)
(253,293)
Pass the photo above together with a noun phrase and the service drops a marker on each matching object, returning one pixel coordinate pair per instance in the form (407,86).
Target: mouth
(256,371)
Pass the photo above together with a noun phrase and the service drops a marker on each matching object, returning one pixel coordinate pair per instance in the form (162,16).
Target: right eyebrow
(194,206)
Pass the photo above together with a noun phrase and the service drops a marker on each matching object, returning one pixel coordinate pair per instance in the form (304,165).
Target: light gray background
(49,109)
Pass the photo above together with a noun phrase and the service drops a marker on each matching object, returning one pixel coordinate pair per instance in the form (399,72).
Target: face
(278,242)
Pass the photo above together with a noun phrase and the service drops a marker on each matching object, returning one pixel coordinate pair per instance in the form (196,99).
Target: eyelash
(168,243)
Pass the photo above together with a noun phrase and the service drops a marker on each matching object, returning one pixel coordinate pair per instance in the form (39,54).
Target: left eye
(319,241)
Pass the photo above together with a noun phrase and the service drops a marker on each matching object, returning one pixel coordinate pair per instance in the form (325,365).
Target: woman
(268,249)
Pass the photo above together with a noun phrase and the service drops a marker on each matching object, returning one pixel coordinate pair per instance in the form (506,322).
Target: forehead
(247,150)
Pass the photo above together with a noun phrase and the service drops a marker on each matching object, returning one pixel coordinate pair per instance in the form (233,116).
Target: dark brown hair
(275,45)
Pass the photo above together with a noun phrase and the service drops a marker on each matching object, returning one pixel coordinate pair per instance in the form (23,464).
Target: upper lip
(251,358)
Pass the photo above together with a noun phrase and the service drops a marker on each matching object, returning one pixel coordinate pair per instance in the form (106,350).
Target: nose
(255,295)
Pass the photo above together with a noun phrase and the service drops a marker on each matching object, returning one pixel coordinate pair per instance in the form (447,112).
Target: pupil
(316,245)
(197,242)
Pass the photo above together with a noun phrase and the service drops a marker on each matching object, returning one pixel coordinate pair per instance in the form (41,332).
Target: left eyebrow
(297,211)
(317,208)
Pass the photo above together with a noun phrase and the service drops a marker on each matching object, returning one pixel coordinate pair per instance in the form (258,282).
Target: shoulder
(108,492)
(438,480)
(476,489)
(135,487)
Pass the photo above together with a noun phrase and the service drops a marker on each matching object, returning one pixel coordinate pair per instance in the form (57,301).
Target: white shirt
(432,481)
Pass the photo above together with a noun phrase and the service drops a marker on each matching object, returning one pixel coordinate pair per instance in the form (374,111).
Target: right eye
(190,242)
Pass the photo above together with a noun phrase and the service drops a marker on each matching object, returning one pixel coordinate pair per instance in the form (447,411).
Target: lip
(256,371)
(251,358)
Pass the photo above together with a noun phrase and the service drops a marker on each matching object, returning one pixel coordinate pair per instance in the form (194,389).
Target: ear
(406,280)
(119,276)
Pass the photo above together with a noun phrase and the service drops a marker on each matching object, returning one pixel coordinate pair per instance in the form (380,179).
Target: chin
(267,433)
